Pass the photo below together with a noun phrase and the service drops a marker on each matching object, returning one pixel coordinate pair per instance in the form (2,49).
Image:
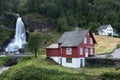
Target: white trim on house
(86,52)
(81,50)
(53,46)
(91,51)
(85,40)
(91,41)
(68,51)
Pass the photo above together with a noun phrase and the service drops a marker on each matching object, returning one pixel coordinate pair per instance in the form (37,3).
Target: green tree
(35,42)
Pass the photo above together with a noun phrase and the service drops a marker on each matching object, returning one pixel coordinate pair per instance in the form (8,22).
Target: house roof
(53,46)
(103,27)
(72,38)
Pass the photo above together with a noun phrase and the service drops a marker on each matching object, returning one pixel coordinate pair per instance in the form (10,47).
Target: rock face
(7,20)
(41,27)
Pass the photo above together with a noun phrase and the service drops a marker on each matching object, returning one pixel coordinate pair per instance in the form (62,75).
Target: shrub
(118,46)
(32,72)
(4,60)
(110,76)
(24,58)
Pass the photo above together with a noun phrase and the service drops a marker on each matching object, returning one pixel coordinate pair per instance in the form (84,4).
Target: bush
(32,72)
(118,46)
(3,60)
(110,76)
(24,58)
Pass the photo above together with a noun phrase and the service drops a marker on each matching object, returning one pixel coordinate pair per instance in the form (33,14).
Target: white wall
(76,63)
(107,31)
(56,59)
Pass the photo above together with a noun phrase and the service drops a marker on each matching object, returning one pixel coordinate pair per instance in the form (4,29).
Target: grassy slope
(106,44)
(42,62)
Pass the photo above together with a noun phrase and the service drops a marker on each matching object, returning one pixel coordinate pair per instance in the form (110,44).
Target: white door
(86,52)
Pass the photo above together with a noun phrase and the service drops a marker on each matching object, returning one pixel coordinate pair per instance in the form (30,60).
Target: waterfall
(19,39)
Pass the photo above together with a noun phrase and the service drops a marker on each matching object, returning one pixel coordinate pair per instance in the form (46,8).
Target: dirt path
(116,53)
(2,69)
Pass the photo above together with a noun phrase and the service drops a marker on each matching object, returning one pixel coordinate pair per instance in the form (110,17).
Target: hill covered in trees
(67,14)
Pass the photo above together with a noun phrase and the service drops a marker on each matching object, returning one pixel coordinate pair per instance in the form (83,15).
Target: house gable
(105,30)
(87,45)
(70,43)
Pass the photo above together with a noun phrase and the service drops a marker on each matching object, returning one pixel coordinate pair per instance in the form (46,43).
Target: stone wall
(101,62)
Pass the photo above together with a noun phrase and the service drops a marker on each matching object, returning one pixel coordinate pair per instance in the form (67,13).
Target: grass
(48,64)
(105,44)
(42,63)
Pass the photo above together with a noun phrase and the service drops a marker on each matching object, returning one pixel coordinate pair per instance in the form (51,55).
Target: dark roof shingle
(72,38)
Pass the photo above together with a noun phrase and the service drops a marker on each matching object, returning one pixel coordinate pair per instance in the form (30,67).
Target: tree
(35,42)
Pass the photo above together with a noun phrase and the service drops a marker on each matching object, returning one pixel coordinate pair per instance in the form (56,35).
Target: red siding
(73,55)
(87,45)
(80,55)
(52,52)
(75,50)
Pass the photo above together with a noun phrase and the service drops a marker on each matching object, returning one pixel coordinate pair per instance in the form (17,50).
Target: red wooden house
(72,48)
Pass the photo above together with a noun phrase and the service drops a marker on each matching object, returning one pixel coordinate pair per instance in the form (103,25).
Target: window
(91,41)
(81,51)
(68,60)
(88,34)
(69,51)
(91,51)
(86,50)
(85,40)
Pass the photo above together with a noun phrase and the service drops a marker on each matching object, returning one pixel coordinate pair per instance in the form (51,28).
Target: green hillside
(5,34)
(67,14)
(41,68)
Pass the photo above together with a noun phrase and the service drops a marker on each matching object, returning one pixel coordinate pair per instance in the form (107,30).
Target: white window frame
(85,40)
(68,51)
(91,51)
(91,41)
(86,52)
(81,50)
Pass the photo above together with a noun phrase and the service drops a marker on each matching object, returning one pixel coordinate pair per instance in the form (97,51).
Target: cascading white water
(19,39)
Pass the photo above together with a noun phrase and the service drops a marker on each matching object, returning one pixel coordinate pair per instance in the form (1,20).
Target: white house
(106,30)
